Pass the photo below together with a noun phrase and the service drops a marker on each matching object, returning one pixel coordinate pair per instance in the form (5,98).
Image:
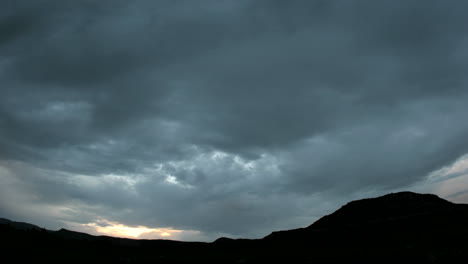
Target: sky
(192,120)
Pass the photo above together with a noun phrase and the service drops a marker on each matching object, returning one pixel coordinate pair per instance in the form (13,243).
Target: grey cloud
(327,100)
(106,58)
(379,155)
(93,42)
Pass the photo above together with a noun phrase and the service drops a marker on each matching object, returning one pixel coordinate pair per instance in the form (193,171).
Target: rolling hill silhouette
(401,227)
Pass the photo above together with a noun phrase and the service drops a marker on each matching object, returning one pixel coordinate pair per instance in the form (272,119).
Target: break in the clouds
(195,119)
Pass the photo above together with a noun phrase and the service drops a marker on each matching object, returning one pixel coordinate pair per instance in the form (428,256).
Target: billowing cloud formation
(225,117)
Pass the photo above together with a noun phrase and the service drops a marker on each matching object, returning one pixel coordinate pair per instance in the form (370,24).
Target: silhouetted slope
(389,207)
(401,227)
(396,228)
(18,225)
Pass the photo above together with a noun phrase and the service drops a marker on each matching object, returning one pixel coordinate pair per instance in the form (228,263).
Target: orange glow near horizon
(114,229)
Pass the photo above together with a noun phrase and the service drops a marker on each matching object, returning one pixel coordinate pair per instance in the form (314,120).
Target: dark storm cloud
(227,116)
(106,58)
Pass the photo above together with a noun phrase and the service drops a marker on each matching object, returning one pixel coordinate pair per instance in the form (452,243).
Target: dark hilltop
(403,227)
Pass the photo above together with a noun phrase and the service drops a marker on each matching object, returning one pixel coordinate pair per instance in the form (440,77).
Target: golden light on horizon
(115,229)
(165,234)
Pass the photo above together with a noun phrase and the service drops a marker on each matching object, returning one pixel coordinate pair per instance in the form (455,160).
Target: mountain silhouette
(386,208)
(18,225)
(403,227)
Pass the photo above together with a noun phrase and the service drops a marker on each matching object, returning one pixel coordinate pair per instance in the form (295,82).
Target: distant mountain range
(403,227)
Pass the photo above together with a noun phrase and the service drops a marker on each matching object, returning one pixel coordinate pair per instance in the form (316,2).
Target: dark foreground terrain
(396,228)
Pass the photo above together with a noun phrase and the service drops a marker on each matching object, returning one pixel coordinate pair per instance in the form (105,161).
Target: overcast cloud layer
(221,117)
